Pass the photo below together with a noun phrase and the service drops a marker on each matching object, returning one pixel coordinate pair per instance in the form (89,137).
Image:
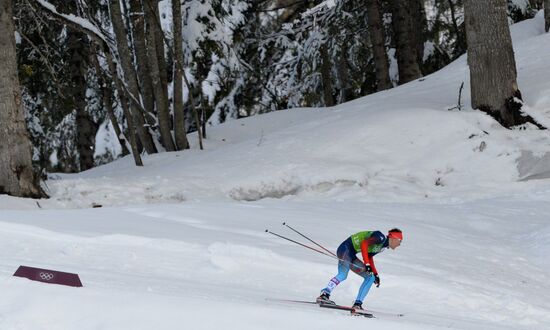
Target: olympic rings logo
(46,276)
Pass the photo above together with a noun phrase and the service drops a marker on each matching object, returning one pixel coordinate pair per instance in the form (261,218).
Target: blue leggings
(346,252)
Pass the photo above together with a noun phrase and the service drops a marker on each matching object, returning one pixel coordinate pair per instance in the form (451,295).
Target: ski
(292,301)
(352,310)
(309,302)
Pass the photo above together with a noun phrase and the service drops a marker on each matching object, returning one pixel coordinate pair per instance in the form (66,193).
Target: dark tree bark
(125,109)
(493,84)
(407,59)
(159,43)
(179,116)
(326,77)
(138,32)
(343,75)
(536,4)
(130,77)
(17,177)
(546,15)
(161,96)
(86,128)
(108,102)
(107,95)
(460,37)
(193,109)
(418,29)
(86,131)
(378,39)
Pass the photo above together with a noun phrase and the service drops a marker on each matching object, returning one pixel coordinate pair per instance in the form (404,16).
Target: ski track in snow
(450,272)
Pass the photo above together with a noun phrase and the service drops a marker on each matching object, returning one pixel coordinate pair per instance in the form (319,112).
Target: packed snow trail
(197,263)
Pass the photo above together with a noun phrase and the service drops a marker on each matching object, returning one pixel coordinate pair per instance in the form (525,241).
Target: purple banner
(48,276)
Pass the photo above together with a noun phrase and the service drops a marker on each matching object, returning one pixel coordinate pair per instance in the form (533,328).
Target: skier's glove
(368,268)
(377,280)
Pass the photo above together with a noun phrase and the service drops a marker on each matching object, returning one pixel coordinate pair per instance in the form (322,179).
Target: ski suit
(369,243)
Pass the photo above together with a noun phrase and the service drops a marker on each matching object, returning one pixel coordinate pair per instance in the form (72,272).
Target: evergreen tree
(153,80)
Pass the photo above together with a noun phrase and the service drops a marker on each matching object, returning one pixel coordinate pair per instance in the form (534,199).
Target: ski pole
(309,239)
(355,268)
(306,246)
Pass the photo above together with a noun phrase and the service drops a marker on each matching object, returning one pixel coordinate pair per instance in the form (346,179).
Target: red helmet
(395,233)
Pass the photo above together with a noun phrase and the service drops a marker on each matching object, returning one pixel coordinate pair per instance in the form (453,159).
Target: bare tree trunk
(194,110)
(86,129)
(206,112)
(107,95)
(536,4)
(125,109)
(130,77)
(418,29)
(161,97)
(138,32)
(202,113)
(378,39)
(343,74)
(17,177)
(493,84)
(179,116)
(546,15)
(108,102)
(326,77)
(159,43)
(407,60)
(460,40)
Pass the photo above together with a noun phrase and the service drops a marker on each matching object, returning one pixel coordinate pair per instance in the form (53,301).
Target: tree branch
(77,22)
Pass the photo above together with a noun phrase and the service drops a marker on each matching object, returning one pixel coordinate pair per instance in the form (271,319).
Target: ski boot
(324,298)
(357,308)
(357,305)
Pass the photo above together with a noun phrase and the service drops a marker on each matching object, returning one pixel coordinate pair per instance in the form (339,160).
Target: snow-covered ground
(181,243)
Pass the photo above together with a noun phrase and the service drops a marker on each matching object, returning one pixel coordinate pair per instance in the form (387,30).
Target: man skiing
(369,243)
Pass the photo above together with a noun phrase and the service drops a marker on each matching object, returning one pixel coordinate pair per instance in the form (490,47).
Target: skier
(369,243)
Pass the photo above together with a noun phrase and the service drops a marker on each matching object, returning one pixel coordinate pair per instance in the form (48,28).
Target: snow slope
(180,243)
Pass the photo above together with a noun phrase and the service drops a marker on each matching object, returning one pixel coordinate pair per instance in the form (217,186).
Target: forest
(90,81)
